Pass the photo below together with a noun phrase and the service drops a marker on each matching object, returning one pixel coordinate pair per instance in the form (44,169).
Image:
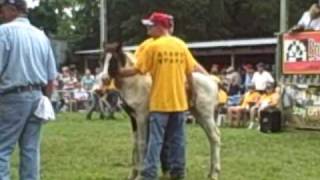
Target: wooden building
(224,53)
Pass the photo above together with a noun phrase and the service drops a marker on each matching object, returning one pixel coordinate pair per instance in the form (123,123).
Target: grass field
(76,149)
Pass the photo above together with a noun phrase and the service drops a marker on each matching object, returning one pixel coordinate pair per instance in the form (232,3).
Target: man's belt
(22,89)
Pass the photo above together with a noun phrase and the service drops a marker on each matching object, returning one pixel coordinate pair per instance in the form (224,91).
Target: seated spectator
(235,113)
(68,84)
(87,81)
(105,96)
(67,79)
(261,78)
(249,71)
(215,73)
(220,109)
(222,93)
(310,21)
(55,97)
(233,80)
(98,92)
(270,99)
(80,96)
(112,97)
(222,96)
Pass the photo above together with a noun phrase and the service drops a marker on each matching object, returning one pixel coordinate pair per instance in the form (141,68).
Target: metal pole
(283,16)
(106,21)
(279,53)
(232,60)
(283,28)
(102,22)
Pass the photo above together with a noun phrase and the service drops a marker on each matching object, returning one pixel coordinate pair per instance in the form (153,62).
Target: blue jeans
(171,126)
(18,125)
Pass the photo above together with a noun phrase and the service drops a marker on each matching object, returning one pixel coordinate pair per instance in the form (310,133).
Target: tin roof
(205,45)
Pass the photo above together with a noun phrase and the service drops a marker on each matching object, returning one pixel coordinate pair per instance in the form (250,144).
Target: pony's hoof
(165,176)
(138,178)
(213,177)
(133,175)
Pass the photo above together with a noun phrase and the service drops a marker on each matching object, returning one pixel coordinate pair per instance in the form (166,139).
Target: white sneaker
(258,128)
(251,125)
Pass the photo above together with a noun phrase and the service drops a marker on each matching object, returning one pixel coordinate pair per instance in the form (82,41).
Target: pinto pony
(135,92)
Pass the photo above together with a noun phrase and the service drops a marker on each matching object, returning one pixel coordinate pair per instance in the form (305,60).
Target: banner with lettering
(301,53)
(301,105)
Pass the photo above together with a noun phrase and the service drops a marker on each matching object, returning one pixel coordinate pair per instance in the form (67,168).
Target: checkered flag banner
(296,50)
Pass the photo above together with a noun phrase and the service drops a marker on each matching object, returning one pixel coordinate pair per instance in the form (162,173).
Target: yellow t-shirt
(271,99)
(216,78)
(168,60)
(109,86)
(142,47)
(222,96)
(250,97)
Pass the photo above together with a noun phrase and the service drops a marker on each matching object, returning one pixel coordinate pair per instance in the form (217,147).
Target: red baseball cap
(158,18)
(248,66)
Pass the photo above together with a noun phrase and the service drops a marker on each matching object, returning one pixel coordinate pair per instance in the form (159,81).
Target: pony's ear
(119,47)
(111,47)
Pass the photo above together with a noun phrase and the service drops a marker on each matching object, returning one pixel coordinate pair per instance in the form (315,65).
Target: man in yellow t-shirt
(165,165)
(170,64)
(251,98)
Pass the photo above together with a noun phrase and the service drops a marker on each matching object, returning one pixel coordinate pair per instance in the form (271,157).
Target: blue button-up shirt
(26,56)
(248,81)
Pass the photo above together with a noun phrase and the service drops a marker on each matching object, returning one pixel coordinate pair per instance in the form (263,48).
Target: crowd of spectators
(244,93)
(75,92)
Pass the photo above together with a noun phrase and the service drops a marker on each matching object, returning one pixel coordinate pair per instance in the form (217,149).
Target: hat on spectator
(260,65)
(65,68)
(19,4)
(158,18)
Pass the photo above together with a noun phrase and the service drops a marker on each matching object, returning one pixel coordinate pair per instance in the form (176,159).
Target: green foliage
(195,20)
(76,149)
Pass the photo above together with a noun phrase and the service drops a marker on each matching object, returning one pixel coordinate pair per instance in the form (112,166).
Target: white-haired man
(310,20)
(27,66)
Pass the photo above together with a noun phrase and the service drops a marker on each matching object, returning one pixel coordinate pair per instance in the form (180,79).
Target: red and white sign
(301,53)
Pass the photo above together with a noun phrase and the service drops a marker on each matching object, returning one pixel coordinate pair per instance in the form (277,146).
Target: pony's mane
(130,58)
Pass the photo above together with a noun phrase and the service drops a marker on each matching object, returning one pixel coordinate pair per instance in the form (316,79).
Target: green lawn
(76,149)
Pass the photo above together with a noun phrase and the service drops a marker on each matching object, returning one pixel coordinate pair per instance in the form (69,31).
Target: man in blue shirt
(248,76)
(27,67)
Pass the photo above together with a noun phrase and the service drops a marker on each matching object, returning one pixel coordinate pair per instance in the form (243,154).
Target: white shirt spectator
(260,80)
(308,23)
(69,82)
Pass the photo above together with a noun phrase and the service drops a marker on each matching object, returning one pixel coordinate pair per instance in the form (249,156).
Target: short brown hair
(21,5)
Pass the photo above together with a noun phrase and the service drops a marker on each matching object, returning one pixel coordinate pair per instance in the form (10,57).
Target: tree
(195,20)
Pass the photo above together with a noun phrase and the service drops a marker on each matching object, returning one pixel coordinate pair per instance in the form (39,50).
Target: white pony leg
(134,171)
(213,134)
(141,140)
(219,120)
